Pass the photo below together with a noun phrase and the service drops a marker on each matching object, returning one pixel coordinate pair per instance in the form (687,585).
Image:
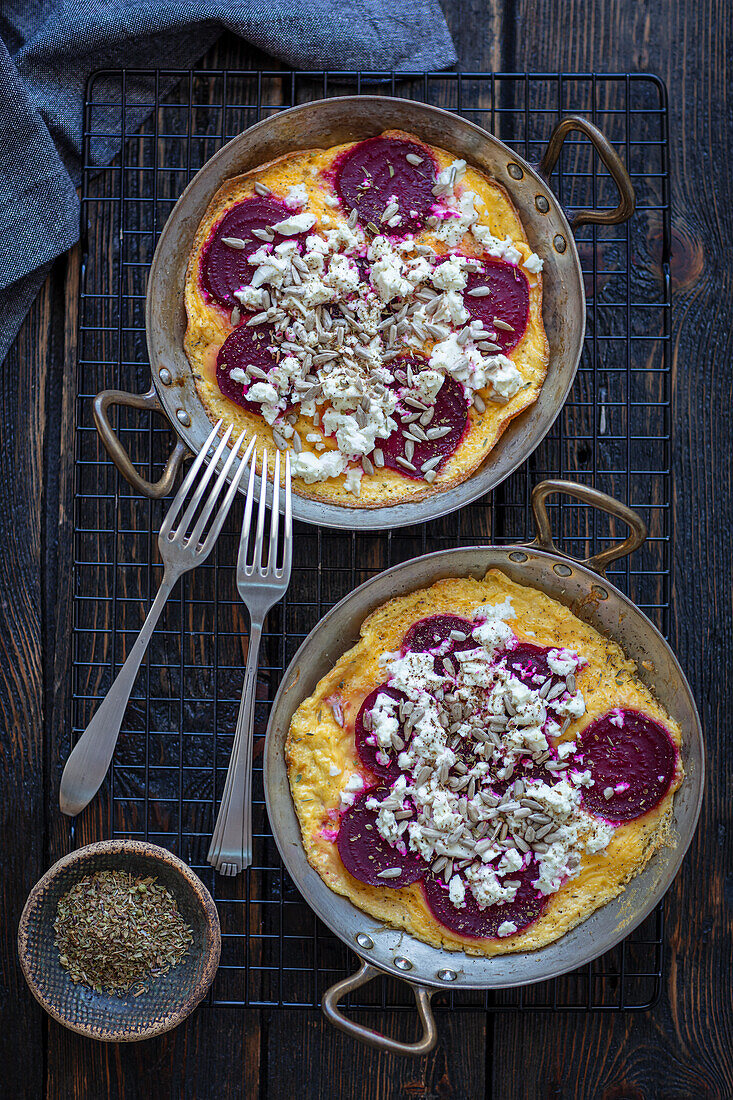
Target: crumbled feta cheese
(312,467)
(533,264)
(450,274)
(562,661)
(457,892)
(506,928)
(352,481)
(297,223)
(296,197)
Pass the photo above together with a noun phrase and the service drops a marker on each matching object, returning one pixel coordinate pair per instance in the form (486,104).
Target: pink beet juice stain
(225,269)
(451,411)
(375,171)
(508,301)
(637,762)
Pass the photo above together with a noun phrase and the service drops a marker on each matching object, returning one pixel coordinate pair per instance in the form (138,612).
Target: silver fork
(90,758)
(260,586)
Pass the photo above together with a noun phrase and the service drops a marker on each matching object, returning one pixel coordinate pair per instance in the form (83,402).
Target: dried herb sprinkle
(114,932)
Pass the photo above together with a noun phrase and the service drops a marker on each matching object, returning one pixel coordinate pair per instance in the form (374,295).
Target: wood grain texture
(683,1047)
(23,380)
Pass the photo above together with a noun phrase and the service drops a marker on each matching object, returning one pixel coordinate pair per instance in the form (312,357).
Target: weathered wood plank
(23,425)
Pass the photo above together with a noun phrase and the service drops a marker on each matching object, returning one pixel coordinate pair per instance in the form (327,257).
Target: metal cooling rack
(614,433)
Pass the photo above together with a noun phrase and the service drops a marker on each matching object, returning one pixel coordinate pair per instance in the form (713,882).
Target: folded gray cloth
(49,48)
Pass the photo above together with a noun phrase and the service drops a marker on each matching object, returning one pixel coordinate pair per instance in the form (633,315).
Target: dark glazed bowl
(170,997)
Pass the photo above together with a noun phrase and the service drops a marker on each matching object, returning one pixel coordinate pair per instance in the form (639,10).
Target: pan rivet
(517,555)
(364,941)
(598,591)
(560,243)
(563,570)
(183,417)
(402,963)
(515,171)
(542,204)
(447,975)
(165,376)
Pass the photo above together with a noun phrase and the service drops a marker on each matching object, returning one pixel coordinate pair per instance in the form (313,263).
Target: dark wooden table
(682,1048)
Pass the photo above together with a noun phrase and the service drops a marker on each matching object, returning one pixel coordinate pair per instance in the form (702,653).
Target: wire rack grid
(160,127)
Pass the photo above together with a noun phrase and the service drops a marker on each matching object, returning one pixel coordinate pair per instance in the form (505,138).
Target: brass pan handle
(600,561)
(117,452)
(612,161)
(367,1035)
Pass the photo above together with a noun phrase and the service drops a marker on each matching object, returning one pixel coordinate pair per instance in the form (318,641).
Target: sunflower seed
(543,831)
(237,243)
(540,847)
(258,319)
(479,404)
(263,235)
(423,776)
(297,445)
(280,443)
(402,815)
(570,683)
(397,741)
(449,667)
(389,212)
(367,720)
(479,292)
(367,466)
(262,190)
(502,325)
(405,464)
(409,449)
(236,316)
(390,872)
(521,844)
(413,158)
(439,864)
(430,476)
(545,688)
(503,830)
(608,793)
(448,871)
(529,834)
(353,218)
(554,691)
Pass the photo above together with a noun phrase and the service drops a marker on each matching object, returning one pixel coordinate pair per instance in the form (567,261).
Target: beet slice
(526,661)
(479,923)
(431,632)
(451,410)
(364,851)
(508,301)
(640,758)
(368,752)
(225,269)
(243,346)
(364,182)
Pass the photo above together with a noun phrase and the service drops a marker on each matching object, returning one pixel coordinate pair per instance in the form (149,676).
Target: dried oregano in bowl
(115,932)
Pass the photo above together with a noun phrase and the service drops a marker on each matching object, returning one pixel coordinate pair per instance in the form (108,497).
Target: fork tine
(247,519)
(198,496)
(288,529)
(274,515)
(187,483)
(213,497)
(221,515)
(260,538)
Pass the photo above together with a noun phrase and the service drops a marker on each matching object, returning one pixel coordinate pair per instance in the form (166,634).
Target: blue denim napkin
(49,48)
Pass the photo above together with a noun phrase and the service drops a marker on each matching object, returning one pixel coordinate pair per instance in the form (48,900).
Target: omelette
(373,308)
(482,769)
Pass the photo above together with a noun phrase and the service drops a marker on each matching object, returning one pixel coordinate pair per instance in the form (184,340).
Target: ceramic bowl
(170,997)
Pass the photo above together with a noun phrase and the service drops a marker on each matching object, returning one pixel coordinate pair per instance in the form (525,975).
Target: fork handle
(90,758)
(232,839)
